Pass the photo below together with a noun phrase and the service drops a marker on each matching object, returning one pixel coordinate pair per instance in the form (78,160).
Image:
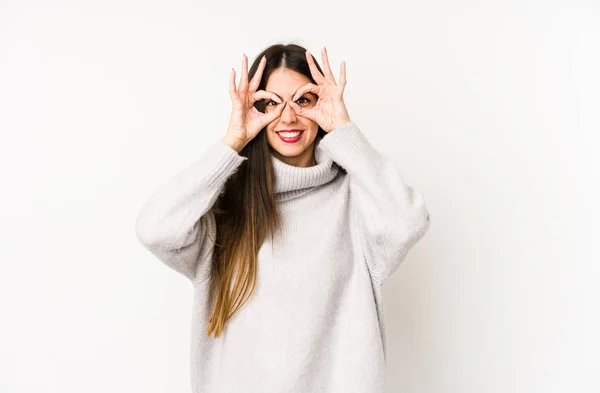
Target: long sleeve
(176,223)
(391,215)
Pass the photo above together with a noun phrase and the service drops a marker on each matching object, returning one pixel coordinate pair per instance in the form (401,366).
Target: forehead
(284,81)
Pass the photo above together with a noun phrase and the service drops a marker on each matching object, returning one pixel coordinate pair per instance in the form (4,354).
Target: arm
(175,222)
(392,216)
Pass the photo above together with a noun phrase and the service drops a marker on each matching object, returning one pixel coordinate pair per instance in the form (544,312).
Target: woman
(287,227)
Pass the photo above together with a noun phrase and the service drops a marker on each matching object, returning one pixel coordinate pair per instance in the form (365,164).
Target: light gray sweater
(315,322)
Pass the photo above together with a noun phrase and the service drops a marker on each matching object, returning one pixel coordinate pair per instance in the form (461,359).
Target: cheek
(270,128)
(314,127)
(309,124)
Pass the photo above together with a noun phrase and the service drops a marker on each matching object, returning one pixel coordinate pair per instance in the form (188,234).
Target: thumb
(275,114)
(307,113)
(266,118)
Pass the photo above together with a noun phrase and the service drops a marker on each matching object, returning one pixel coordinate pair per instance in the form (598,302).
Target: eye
(300,101)
(306,100)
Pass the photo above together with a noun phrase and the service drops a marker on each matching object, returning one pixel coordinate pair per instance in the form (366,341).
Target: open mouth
(290,136)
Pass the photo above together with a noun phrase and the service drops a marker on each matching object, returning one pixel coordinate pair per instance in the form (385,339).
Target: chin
(291,149)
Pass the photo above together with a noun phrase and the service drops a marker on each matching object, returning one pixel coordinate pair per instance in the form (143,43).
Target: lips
(290,139)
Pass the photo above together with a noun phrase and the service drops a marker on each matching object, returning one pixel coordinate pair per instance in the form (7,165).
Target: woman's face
(291,149)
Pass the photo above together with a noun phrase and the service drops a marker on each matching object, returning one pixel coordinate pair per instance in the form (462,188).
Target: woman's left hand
(330,110)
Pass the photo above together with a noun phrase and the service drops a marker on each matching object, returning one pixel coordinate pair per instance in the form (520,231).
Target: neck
(303,160)
(291,181)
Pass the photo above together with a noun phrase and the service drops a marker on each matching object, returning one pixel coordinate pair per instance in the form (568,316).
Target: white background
(490,108)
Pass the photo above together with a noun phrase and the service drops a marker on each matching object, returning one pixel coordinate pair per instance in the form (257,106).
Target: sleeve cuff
(223,161)
(345,143)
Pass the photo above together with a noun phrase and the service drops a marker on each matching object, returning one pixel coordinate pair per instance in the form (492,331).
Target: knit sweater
(315,322)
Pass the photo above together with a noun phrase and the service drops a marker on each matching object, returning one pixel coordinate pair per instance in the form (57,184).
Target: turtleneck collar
(292,181)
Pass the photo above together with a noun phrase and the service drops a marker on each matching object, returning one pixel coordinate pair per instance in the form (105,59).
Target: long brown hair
(246,212)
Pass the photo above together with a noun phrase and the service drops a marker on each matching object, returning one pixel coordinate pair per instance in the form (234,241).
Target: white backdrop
(491,110)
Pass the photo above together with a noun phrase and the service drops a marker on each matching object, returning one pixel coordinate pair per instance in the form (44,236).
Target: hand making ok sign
(330,110)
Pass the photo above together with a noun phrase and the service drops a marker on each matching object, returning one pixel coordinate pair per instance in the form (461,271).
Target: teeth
(290,134)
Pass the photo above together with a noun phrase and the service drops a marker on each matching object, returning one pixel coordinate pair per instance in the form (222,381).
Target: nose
(288,115)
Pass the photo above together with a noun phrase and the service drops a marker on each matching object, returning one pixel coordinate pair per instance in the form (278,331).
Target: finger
(269,117)
(263,94)
(258,75)
(279,109)
(307,113)
(316,74)
(342,81)
(309,87)
(327,68)
(232,90)
(244,79)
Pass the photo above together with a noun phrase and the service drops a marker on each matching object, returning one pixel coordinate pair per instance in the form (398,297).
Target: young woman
(287,227)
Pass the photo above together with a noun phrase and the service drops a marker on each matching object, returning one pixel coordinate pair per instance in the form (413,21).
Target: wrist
(341,122)
(234,142)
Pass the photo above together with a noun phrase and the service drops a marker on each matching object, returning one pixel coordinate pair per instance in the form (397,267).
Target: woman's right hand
(246,121)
